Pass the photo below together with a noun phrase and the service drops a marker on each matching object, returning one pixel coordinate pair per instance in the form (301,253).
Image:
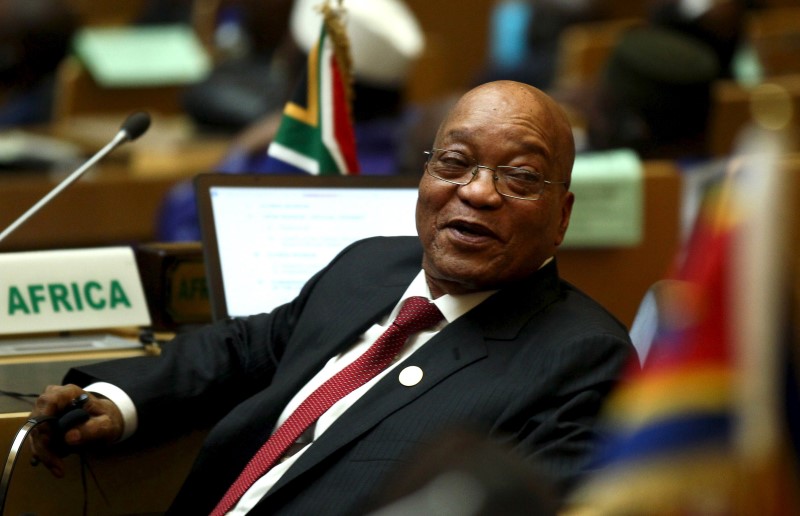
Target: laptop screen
(264,236)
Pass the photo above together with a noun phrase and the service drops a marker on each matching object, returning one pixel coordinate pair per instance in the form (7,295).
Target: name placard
(609,200)
(81,289)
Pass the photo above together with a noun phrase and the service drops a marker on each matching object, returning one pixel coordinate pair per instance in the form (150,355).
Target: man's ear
(566,213)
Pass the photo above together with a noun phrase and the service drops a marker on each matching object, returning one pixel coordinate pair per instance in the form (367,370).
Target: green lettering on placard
(118,295)
(76,295)
(192,288)
(59,296)
(16,302)
(66,297)
(97,304)
(184,292)
(35,296)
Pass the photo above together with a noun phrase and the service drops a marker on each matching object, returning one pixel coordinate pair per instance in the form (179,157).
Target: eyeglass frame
(495,177)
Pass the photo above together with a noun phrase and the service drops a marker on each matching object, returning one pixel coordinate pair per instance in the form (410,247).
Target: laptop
(265,235)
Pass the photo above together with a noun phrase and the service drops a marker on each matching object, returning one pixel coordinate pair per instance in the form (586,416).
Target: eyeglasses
(459,169)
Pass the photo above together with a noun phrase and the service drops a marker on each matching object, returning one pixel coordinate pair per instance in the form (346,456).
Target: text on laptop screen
(271,240)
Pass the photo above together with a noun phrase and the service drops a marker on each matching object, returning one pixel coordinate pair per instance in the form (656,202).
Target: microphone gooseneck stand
(133,127)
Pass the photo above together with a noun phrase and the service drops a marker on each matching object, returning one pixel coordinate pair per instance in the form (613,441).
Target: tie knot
(417,314)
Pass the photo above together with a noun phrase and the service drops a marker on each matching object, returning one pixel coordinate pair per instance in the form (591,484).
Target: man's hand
(104,426)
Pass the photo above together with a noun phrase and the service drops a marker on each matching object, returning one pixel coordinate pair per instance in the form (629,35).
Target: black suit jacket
(530,366)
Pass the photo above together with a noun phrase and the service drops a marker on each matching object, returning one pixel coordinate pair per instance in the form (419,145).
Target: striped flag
(316,133)
(677,414)
(702,428)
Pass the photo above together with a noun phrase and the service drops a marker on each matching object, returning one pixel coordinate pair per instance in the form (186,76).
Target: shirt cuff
(117,396)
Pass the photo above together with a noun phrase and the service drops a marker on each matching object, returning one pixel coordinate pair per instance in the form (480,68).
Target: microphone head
(135,125)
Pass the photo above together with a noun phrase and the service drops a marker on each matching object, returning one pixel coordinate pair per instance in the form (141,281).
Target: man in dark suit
(521,356)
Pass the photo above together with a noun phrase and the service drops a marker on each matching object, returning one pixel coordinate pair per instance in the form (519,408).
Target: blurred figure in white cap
(385,37)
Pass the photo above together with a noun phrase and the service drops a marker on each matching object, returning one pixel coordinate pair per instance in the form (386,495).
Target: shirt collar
(451,306)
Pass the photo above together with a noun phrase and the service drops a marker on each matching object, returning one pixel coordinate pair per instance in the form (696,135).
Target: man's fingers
(41,452)
(96,430)
(105,425)
(55,399)
(48,445)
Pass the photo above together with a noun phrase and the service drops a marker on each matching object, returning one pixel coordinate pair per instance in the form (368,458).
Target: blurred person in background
(35,35)
(717,23)
(524,38)
(255,67)
(654,95)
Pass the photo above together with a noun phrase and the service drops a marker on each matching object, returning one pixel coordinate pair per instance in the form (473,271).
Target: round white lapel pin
(410,376)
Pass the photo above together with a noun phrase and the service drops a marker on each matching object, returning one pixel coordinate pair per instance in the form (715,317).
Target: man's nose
(481,189)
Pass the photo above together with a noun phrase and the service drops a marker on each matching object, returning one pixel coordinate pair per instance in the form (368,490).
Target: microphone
(133,127)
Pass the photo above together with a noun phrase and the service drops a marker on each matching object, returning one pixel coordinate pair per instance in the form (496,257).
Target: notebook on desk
(264,236)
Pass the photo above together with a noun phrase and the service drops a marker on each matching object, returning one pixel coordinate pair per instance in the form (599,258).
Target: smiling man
(506,216)
(396,341)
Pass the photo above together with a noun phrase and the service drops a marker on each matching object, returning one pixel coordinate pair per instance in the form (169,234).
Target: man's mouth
(469,229)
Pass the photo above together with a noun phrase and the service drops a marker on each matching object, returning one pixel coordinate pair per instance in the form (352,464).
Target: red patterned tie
(416,314)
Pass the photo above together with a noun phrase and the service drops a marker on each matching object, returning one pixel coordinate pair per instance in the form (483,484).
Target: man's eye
(523,176)
(452,161)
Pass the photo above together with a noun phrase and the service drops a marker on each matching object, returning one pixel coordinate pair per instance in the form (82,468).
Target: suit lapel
(451,350)
(253,421)
(328,336)
(454,348)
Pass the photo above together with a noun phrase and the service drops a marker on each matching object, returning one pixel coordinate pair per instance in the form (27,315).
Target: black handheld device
(74,415)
